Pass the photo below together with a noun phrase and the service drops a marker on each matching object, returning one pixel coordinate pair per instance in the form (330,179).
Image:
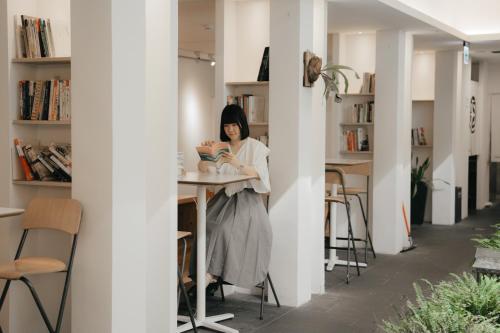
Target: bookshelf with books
(42,88)
(253,97)
(356,121)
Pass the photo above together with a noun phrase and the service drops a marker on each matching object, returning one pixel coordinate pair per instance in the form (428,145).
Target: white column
(445,106)
(392,142)
(318,153)
(292,165)
(124,73)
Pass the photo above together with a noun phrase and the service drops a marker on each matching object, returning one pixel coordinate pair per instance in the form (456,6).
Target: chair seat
(183,234)
(352,190)
(29,266)
(334,198)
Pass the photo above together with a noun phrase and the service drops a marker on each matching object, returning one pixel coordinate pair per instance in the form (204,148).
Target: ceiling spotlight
(212,63)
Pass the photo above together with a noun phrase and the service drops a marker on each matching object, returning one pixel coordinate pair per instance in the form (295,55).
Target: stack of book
(355,140)
(253,106)
(45,100)
(368,86)
(52,163)
(33,37)
(363,113)
(418,137)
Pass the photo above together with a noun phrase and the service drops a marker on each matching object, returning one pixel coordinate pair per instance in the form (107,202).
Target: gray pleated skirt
(239,238)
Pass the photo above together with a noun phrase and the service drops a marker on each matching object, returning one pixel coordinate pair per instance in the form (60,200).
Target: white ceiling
(197,25)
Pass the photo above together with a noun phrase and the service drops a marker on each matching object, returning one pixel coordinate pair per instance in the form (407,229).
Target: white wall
(247,36)
(196,110)
(424,64)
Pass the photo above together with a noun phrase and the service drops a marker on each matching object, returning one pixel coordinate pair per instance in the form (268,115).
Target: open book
(214,152)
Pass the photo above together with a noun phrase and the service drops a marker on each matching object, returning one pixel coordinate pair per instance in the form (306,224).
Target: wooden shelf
(46,60)
(42,122)
(258,124)
(249,83)
(356,124)
(356,152)
(361,95)
(423,100)
(421,146)
(43,184)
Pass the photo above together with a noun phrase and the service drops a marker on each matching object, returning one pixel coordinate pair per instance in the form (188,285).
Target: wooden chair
(50,214)
(337,176)
(357,192)
(182,235)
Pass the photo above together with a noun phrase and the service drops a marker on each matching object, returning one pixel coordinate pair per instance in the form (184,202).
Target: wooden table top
(206,178)
(185,198)
(345,161)
(5,212)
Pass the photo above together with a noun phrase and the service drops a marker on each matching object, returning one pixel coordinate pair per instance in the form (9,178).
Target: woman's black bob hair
(233,114)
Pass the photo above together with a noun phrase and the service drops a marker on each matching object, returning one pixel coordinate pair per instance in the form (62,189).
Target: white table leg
(333,228)
(201,319)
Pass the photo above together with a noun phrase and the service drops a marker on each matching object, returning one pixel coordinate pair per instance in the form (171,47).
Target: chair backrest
(334,175)
(53,213)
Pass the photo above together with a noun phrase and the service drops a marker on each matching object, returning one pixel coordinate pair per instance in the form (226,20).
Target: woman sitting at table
(239,233)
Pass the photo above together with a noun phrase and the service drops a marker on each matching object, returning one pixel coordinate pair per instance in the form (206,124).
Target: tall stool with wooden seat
(357,192)
(337,176)
(46,214)
(183,235)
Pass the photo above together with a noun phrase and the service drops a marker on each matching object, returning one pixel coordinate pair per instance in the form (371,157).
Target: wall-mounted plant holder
(312,68)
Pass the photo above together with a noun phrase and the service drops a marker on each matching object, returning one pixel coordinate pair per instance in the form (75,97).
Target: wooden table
(201,180)
(6,212)
(350,167)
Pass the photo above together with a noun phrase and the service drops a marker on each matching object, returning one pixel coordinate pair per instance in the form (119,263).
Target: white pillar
(392,142)
(318,153)
(292,165)
(445,105)
(124,138)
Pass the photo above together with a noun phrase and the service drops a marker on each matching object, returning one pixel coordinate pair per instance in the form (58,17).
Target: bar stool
(337,176)
(183,235)
(356,192)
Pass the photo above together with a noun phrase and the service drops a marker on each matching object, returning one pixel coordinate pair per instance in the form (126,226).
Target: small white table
(201,180)
(6,212)
(351,167)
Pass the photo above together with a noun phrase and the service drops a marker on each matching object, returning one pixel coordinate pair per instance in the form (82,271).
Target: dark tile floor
(381,289)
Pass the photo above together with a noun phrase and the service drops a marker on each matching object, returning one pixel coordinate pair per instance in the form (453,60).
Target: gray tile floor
(381,289)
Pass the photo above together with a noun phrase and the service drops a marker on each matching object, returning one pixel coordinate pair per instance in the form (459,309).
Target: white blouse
(252,153)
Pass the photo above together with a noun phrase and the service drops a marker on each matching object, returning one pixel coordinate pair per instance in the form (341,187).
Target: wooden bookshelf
(45,60)
(356,124)
(42,183)
(258,124)
(356,152)
(353,95)
(248,83)
(42,122)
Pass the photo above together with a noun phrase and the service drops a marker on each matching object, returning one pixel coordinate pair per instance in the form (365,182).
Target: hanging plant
(331,75)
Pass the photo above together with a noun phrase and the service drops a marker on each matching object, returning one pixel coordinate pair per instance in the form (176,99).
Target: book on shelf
(264,66)
(52,163)
(253,106)
(368,86)
(44,100)
(355,140)
(213,153)
(418,137)
(34,37)
(362,112)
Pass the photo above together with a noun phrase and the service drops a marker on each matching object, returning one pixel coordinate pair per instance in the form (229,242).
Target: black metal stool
(183,235)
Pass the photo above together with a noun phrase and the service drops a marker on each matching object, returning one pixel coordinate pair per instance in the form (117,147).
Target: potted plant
(489,247)
(419,190)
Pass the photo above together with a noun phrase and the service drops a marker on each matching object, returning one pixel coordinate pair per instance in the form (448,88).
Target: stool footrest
(355,239)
